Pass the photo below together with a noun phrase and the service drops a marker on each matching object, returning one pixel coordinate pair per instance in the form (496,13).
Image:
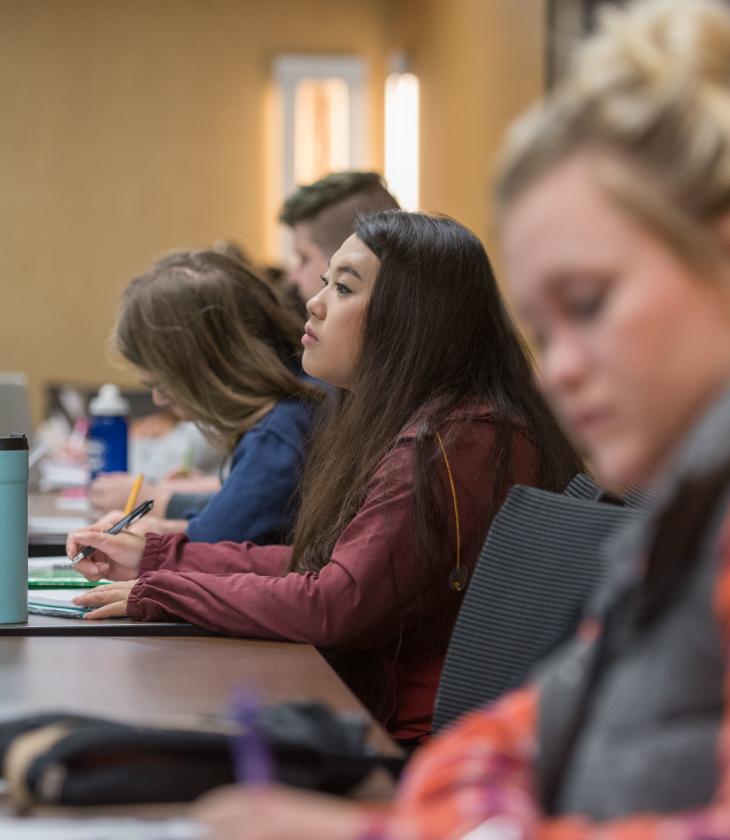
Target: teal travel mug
(13,529)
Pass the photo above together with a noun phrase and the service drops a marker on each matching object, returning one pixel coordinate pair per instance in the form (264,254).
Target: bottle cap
(109,402)
(13,443)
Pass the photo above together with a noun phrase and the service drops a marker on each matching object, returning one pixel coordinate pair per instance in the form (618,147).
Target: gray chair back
(582,486)
(540,562)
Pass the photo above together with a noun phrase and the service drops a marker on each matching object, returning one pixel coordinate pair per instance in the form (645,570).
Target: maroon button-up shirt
(376,604)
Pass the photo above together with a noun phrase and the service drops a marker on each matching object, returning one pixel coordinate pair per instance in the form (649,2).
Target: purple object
(252,760)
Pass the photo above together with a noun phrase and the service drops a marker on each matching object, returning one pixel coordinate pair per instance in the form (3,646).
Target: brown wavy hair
(216,338)
(436,337)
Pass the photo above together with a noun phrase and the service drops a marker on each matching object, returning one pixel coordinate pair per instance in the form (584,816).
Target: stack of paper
(100,829)
(57,603)
(55,524)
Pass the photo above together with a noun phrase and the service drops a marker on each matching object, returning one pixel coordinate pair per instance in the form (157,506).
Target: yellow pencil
(133,493)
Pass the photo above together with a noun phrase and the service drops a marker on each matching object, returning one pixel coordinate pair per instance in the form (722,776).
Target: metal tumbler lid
(13,443)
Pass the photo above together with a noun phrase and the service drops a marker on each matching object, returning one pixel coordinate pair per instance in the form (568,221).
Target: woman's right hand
(117,556)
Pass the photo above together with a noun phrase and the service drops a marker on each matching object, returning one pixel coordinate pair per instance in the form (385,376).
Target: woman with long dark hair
(615,200)
(439,417)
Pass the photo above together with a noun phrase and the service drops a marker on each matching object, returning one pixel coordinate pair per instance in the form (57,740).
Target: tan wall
(480,63)
(131,127)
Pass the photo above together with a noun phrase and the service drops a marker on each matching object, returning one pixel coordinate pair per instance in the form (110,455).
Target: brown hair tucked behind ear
(436,337)
(215,337)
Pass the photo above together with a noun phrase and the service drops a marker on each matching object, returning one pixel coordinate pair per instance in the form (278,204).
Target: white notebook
(108,828)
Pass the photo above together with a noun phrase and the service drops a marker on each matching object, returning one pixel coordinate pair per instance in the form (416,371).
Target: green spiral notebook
(55,573)
(61,577)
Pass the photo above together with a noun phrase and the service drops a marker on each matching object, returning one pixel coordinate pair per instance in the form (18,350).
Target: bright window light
(321,128)
(401,138)
(316,123)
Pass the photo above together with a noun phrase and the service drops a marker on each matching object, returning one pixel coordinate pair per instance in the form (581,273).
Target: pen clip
(141,510)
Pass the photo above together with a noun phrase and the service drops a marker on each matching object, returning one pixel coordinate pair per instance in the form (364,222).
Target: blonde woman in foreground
(615,205)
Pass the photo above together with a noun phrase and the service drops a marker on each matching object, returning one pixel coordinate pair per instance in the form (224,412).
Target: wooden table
(159,680)
(166,681)
(46,544)
(45,504)
(41,625)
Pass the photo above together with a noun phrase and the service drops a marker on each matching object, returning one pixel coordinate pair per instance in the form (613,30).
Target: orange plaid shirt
(483,768)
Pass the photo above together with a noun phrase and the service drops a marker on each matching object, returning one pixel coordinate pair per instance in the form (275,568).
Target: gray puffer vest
(629,722)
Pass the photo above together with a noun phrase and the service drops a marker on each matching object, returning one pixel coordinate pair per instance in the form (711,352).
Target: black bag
(64,759)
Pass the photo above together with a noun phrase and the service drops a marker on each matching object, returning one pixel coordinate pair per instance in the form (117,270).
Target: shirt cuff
(145,609)
(151,555)
(135,608)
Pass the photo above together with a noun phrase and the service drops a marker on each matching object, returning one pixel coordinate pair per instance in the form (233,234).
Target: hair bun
(652,84)
(655,47)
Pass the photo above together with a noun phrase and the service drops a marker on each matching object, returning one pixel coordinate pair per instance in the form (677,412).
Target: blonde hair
(651,91)
(216,338)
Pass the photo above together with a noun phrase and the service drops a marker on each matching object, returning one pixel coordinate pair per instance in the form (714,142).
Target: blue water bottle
(107,438)
(13,529)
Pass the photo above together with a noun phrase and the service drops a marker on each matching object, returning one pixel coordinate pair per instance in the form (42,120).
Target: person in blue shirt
(216,346)
(264,472)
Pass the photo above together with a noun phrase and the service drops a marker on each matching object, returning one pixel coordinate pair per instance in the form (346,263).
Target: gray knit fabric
(650,740)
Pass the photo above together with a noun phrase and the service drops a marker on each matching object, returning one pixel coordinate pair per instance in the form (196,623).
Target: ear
(722,227)
(722,230)
(720,282)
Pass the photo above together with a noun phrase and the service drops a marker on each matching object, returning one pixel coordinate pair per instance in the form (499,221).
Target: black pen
(124,522)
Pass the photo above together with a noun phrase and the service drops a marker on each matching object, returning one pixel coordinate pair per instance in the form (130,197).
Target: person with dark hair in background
(322,216)
(439,417)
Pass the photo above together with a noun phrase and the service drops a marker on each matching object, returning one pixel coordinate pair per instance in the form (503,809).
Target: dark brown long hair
(436,337)
(215,337)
